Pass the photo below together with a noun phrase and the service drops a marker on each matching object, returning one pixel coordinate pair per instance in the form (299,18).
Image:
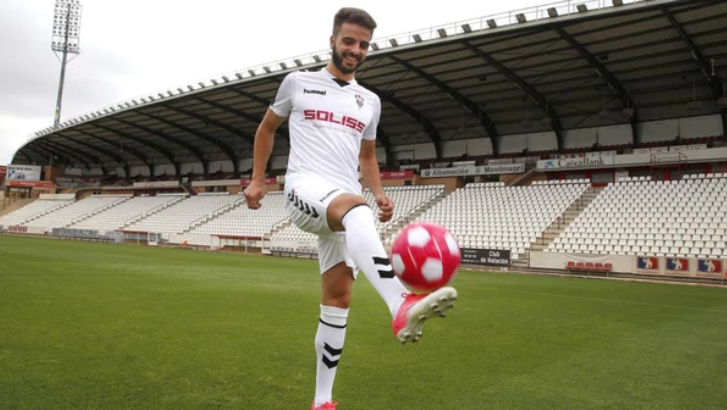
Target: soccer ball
(425,256)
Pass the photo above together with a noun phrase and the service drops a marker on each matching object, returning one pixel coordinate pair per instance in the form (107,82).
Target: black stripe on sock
(332,351)
(329,363)
(332,325)
(382,261)
(352,208)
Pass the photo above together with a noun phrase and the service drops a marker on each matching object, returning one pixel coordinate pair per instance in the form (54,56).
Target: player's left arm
(372,179)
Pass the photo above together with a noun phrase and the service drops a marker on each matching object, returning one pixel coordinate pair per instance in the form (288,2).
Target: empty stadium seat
(123,214)
(178,217)
(637,216)
(496,216)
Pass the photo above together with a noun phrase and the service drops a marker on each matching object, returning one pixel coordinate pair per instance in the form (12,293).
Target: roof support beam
(81,154)
(529,90)
(695,53)
(39,149)
(218,124)
(222,146)
(75,156)
(115,157)
(249,138)
(189,147)
(158,148)
(40,154)
(283,131)
(429,127)
(141,157)
(20,152)
(612,82)
(471,106)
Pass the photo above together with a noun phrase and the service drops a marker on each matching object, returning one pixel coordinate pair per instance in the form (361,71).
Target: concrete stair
(396,226)
(221,211)
(570,214)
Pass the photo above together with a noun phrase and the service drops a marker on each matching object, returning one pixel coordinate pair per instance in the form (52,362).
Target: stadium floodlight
(617,3)
(491,23)
(317,58)
(553,12)
(267,69)
(374,46)
(417,38)
(442,33)
(298,62)
(521,18)
(225,78)
(582,8)
(283,66)
(201,84)
(213,81)
(466,28)
(252,73)
(393,42)
(65,40)
(190,87)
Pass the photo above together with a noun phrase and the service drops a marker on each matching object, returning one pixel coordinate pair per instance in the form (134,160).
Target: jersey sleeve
(370,131)
(284,98)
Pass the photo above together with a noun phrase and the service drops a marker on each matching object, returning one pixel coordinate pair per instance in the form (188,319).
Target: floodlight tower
(66,37)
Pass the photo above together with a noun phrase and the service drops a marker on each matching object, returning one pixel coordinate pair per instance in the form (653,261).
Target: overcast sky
(132,48)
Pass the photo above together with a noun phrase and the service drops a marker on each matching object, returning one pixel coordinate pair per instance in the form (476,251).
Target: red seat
(570,265)
(608,267)
(598,266)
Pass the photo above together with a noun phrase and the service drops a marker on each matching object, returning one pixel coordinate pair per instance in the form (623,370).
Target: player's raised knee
(340,206)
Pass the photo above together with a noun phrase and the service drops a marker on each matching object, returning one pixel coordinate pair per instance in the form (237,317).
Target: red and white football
(425,256)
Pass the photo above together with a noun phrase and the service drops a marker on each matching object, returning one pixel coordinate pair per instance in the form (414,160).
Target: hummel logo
(319,92)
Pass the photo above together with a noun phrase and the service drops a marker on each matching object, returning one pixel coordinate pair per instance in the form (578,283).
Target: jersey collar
(342,83)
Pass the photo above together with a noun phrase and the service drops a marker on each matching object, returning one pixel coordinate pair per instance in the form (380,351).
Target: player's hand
(386,207)
(254,193)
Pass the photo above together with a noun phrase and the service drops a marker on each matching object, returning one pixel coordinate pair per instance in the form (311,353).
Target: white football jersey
(327,120)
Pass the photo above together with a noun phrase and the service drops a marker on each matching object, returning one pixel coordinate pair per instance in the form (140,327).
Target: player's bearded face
(346,61)
(350,46)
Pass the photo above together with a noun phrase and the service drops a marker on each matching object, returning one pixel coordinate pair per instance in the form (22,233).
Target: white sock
(329,345)
(365,248)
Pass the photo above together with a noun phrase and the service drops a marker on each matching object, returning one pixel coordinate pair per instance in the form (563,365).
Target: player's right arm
(263,148)
(278,111)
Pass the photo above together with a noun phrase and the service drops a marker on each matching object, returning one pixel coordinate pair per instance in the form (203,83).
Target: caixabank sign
(485,257)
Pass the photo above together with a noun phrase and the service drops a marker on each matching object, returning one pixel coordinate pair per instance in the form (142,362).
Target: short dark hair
(353,15)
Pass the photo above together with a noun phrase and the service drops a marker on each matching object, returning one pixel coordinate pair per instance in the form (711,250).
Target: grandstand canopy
(548,70)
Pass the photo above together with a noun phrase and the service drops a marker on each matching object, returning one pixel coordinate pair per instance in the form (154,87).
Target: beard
(338,62)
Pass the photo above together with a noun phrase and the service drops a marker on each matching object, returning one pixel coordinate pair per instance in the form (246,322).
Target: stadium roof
(546,69)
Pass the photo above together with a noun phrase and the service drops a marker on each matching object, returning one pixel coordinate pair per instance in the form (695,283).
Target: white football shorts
(307,203)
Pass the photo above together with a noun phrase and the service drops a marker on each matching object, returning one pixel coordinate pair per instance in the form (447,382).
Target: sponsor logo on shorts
(329,194)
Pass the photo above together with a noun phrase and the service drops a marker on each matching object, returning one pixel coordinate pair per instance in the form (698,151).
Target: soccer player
(332,124)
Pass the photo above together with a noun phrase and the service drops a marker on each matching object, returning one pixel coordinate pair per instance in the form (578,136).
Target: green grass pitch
(103,326)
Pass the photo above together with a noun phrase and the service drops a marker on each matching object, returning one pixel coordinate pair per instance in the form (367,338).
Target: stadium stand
(32,211)
(125,213)
(638,216)
(66,215)
(178,217)
(244,222)
(496,216)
